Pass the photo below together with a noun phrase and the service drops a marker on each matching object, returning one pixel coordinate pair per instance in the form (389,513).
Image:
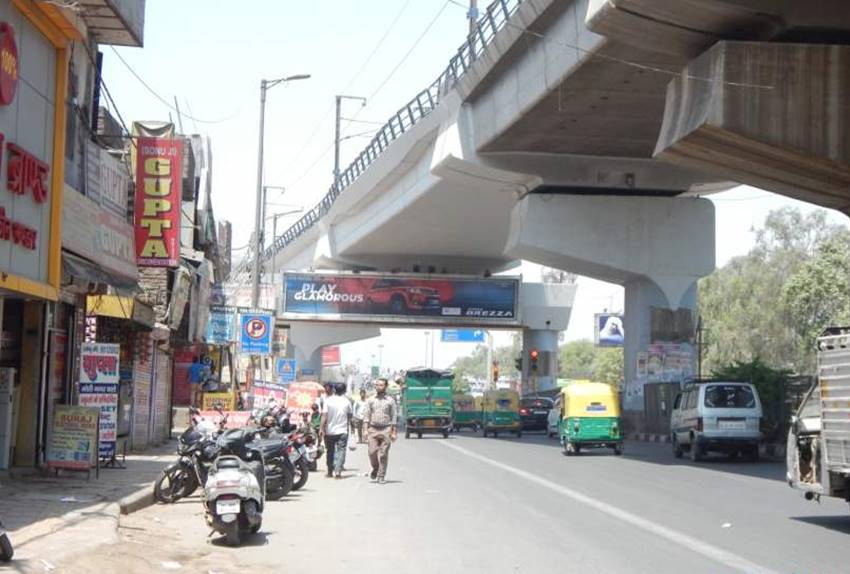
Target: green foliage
(608,366)
(768,383)
(576,359)
(771,303)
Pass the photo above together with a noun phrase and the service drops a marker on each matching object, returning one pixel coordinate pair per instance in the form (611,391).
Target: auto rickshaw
(501,413)
(467,412)
(590,418)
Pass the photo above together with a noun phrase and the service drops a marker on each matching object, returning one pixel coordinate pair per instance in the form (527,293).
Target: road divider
(710,551)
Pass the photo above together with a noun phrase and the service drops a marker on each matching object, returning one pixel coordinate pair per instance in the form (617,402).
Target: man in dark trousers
(336,421)
(380,418)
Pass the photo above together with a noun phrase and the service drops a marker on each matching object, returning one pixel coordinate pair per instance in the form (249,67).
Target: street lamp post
(337,139)
(265,85)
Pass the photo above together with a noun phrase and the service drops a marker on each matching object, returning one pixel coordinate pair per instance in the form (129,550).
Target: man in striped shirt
(380,418)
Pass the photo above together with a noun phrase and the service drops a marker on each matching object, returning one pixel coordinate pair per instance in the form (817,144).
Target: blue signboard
(462,336)
(221,327)
(255,333)
(285,369)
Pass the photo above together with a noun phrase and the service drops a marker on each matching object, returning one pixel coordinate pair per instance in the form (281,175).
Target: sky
(211,58)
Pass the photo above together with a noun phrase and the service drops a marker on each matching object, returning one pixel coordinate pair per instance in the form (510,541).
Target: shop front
(32,125)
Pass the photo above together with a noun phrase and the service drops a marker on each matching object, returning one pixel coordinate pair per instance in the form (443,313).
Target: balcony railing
(493,19)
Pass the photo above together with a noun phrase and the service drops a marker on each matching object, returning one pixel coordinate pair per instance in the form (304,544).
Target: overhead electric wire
(163,100)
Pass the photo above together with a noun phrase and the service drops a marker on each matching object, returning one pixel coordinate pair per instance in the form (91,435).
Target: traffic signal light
(495,372)
(518,364)
(533,355)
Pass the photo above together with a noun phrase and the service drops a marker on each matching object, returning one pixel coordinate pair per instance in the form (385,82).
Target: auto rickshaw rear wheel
(618,449)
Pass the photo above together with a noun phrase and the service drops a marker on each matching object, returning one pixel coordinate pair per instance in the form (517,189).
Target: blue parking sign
(255,333)
(285,369)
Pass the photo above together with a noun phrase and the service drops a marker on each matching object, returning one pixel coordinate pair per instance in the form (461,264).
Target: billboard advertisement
(401,299)
(159,172)
(608,330)
(330,356)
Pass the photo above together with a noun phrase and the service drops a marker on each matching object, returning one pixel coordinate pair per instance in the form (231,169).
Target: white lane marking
(708,550)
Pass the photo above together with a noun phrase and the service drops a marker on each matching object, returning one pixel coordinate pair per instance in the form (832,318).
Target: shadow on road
(839,523)
(259,539)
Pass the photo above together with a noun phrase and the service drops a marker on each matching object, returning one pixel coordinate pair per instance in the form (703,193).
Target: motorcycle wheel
(179,485)
(277,488)
(302,472)
(231,533)
(6,550)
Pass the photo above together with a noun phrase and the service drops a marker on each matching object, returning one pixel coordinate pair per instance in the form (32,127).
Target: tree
(576,359)
(769,303)
(607,366)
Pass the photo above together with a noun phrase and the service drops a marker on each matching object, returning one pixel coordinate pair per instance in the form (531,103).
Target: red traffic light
(533,353)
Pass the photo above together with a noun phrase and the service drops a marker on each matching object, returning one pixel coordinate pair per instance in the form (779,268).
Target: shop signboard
(255,333)
(225,401)
(221,327)
(114,181)
(285,369)
(330,355)
(99,376)
(159,171)
(8,64)
(608,330)
(73,437)
(389,298)
(264,392)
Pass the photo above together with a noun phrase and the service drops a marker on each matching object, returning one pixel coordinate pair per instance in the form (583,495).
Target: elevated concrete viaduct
(576,133)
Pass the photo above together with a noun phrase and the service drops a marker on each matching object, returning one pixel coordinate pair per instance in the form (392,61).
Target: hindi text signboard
(99,389)
(73,437)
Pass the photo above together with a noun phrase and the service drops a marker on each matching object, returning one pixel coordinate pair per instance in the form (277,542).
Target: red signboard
(8,64)
(159,170)
(330,355)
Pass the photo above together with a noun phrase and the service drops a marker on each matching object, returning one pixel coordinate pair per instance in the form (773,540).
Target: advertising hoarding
(401,299)
(159,171)
(99,388)
(330,356)
(73,437)
(240,296)
(608,330)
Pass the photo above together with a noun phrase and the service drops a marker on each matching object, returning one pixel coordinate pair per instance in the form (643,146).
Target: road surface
(493,506)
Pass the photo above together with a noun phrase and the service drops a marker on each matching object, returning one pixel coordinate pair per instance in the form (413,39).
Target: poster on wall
(99,376)
(400,299)
(159,172)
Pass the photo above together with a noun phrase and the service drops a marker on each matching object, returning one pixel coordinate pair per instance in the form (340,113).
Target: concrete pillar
(641,297)
(546,343)
(307,340)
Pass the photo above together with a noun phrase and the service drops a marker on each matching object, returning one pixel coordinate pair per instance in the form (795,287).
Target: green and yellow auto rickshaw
(501,413)
(467,412)
(590,418)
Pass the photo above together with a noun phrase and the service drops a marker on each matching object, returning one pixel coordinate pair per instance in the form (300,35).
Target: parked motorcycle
(234,492)
(197,449)
(6,550)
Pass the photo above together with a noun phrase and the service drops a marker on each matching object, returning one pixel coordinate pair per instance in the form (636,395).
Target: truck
(818,448)
(427,402)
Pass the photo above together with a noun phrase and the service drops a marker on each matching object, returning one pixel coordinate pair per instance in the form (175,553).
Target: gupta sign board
(402,299)
(159,169)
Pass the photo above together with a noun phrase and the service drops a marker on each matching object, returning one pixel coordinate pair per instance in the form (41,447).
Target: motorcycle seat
(228,462)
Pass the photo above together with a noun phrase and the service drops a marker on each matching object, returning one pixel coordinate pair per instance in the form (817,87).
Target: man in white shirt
(335,421)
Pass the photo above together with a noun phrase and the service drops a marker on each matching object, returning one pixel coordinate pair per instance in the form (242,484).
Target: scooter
(234,494)
(6,550)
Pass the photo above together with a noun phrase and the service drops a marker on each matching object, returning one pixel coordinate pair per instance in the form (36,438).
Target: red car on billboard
(401,297)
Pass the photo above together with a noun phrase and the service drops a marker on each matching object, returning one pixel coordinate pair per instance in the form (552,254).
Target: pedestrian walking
(335,422)
(359,414)
(380,418)
(197,378)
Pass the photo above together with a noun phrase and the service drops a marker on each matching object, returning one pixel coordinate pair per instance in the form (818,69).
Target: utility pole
(472,15)
(265,85)
(337,139)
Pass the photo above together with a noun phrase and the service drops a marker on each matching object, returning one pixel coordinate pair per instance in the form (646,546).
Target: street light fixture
(265,85)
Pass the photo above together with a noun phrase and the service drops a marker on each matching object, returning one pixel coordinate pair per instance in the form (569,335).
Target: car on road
(400,297)
(716,416)
(534,412)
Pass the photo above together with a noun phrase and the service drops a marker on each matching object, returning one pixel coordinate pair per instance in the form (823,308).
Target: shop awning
(74,266)
(121,308)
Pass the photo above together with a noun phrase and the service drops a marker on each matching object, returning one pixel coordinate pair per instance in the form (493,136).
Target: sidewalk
(49,517)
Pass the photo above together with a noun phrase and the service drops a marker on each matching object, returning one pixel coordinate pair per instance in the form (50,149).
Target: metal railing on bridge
(494,18)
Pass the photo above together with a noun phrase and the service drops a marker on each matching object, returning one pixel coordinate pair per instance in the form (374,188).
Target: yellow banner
(224,400)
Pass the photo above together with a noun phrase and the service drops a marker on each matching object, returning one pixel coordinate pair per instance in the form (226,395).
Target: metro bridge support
(309,338)
(656,247)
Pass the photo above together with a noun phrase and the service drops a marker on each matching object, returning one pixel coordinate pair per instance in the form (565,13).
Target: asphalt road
(503,505)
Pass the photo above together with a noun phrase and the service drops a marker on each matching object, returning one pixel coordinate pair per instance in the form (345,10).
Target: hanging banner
(99,375)
(608,330)
(256,333)
(221,327)
(159,171)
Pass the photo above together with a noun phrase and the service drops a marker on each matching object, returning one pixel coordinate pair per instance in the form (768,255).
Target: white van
(716,416)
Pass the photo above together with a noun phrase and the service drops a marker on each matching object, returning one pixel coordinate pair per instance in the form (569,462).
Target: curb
(140,499)
(649,437)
